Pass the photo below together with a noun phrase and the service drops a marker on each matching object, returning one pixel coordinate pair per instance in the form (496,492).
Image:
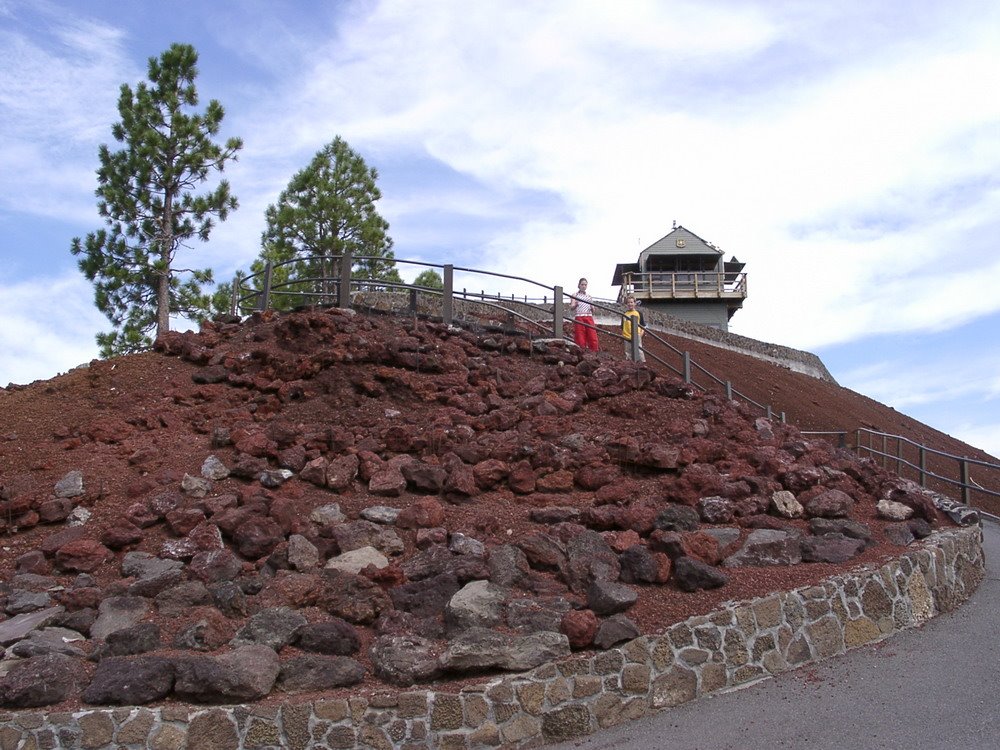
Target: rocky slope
(321,501)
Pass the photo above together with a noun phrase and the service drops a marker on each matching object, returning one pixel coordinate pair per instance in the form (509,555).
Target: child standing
(583,312)
(632,322)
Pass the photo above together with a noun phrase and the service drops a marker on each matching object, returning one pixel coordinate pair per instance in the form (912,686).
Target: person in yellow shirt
(632,320)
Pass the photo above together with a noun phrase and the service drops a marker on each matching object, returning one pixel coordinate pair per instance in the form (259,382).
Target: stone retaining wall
(735,645)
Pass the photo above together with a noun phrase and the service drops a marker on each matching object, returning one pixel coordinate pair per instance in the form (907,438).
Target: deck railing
(684,285)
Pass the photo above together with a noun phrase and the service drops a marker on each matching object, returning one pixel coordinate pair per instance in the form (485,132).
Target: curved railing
(545,313)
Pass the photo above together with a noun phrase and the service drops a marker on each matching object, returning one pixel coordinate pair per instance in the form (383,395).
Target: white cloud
(826,182)
(47,326)
(57,99)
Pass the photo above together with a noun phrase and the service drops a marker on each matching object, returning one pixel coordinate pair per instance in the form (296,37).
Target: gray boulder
(404,659)
(246,674)
(589,558)
(608,598)
(477,649)
(477,604)
(118,613)
(275,628)
(831,548)
(49,641)
(767,547)
(317,672)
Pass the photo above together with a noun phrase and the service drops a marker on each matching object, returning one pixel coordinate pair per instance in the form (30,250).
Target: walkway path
(933,688)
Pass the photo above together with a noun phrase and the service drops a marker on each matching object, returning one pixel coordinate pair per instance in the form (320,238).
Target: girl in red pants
(583,312)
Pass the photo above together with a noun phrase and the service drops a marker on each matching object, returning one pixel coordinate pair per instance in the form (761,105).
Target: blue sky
(848,152)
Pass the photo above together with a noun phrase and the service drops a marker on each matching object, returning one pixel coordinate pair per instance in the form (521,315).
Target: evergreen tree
(146,199)
(429,278)
(327,209)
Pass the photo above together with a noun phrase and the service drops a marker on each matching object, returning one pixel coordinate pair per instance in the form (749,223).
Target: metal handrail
(899,460)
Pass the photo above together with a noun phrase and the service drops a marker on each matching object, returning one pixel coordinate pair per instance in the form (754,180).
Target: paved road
(936,687)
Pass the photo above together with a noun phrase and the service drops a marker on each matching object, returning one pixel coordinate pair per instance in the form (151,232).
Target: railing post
(966,484)
(923,466)
(857,441)
(783,418)
(687,367)
(448,297)
(557,312)
(769,412)
(842,441)
(413,301)
(234,298)
(729,391)
(885,451)
(344,293)
(264,301)
(899,456)
(634,342)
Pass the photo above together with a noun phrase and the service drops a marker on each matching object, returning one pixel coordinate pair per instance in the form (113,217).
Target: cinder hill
(319,501)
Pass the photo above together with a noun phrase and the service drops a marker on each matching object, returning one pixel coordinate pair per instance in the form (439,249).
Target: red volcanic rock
(119,535)
(255,444)
(595,476)
(257,536)
(183,521)
(556,481)
(621,540)
(580,626)
(82,555)
(489,473)
(460,484)
(423,514)
(522,478)
(342,471)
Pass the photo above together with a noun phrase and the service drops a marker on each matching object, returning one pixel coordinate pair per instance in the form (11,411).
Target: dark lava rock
(615,630)
(427,597)
(121,681)
(677,517)
(334,637)
(41,681)
(692,574)
(589,558)
(607,598)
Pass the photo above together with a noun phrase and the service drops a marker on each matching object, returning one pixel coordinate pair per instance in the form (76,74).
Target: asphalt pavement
(928,688)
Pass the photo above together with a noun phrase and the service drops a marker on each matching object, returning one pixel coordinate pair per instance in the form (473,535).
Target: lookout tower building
(683,275)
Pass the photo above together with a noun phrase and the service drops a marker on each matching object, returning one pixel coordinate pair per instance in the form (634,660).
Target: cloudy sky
(848,152)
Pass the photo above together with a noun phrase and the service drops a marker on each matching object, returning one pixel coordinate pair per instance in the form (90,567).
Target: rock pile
(356,499)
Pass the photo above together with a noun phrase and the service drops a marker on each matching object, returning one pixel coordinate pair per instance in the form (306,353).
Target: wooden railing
(684,285)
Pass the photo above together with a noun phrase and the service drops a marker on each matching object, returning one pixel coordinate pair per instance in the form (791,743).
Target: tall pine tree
(328,209)
(148,204)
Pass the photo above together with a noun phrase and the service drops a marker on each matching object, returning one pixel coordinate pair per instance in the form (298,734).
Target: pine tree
(328,209)
(145,192)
